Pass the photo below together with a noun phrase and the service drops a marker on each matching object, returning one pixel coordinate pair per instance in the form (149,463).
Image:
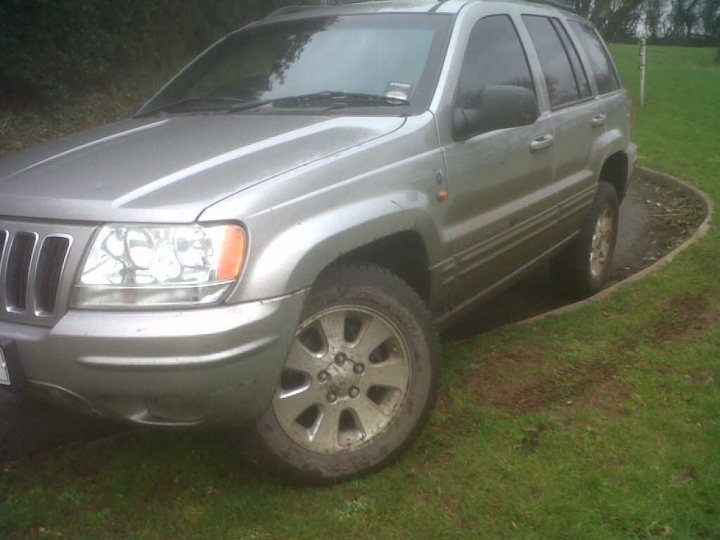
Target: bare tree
(612,17)
(683,17)
(653,15)
(710,16)
(625,20)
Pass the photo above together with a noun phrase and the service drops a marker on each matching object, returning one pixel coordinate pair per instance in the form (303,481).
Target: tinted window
(559,77)
(597,55)
(494,57)
(578,70)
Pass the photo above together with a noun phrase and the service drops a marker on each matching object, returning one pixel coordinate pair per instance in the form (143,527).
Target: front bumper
(173,368)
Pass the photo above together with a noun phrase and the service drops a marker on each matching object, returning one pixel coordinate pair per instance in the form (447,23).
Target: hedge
(50,48)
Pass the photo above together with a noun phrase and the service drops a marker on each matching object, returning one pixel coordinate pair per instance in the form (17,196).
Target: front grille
(31,267)
(38,262)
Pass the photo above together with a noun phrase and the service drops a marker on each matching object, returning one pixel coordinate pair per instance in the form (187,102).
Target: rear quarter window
(600,61)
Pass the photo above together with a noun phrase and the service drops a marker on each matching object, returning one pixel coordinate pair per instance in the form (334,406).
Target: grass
(603,423)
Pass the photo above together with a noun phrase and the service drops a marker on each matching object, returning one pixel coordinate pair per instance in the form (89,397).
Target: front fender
(302,221)
(293,259)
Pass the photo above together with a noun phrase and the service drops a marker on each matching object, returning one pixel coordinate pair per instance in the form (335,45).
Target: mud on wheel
(360,378)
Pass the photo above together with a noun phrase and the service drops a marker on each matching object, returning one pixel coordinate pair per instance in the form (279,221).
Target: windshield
(372,64)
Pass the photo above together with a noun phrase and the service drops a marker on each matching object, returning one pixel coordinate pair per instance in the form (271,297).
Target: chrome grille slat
(43,274)
(29,276)
(52,256)
(19,267)
(3,267)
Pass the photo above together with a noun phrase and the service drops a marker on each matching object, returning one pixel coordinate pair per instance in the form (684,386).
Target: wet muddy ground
(653,221)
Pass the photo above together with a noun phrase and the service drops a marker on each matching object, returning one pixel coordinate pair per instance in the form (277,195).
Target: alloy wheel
(345,378)
(602,241)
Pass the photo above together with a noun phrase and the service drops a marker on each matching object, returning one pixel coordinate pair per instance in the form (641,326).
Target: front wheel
(583,269)
(360,378)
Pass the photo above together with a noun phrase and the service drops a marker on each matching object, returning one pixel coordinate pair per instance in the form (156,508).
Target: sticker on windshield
(398,90)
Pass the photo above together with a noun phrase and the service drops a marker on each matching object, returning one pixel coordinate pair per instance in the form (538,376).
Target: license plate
(12,377)
(4,371)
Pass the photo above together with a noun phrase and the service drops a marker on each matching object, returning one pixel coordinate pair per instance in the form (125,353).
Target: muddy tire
(583,269)
(360,380)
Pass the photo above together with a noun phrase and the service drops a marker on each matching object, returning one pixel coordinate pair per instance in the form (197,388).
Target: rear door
(611,96)
(578,119)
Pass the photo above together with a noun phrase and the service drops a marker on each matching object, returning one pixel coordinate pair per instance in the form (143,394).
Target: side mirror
(497,107)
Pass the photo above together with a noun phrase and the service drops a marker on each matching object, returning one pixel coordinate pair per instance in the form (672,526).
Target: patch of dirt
(702,378)
(443,404)
(681,315)
(608,397)
(503,381)
(685,476)
(496,384)
(699,325)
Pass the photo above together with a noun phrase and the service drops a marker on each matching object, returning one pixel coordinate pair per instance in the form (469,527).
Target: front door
(502,209)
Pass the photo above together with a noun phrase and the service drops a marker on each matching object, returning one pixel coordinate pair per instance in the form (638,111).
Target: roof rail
(345,2)
(294,9)
(567,5)
(289,9)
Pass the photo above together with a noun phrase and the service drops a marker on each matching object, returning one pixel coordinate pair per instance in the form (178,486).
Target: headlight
(160,266)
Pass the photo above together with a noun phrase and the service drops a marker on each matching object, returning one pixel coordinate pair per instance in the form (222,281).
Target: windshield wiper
(327,100)
(194,104)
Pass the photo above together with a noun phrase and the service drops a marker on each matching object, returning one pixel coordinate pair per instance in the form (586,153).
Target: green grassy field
(603,423)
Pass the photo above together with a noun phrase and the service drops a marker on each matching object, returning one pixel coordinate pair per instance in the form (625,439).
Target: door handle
(542,142)
(598,120)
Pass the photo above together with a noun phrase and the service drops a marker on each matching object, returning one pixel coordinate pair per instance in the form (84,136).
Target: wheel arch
(615,171)
(403,253)
(397,233)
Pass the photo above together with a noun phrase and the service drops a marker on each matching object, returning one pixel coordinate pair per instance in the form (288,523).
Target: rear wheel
(360,378)
(583,269)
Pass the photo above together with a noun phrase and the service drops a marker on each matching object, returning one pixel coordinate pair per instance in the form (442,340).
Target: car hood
(169,169)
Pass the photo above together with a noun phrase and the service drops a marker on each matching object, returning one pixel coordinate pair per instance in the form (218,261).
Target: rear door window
(578,70)
(560,79)
(598,57)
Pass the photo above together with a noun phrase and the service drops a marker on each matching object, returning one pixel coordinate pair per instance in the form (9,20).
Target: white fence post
(641,67)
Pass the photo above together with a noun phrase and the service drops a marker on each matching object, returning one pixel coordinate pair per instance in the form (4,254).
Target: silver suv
(271,243)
